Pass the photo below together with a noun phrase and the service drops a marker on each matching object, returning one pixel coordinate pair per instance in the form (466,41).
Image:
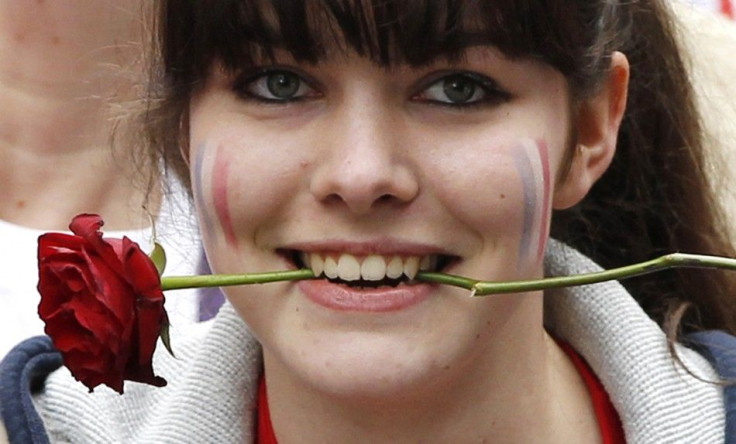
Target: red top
(611,430)
(610,424)
(264,432)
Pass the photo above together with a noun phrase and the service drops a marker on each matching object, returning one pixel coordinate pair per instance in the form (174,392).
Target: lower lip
(376,300)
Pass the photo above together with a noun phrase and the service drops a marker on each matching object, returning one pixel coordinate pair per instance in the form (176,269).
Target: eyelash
(493,94)
(245,84)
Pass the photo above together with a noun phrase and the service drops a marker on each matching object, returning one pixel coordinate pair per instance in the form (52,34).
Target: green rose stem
(477,288)
(673,260)
(228,280)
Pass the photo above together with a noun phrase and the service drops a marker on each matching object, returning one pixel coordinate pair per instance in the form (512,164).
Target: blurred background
(725,7)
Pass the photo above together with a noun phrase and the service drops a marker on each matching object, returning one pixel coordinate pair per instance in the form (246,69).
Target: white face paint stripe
(199,169)
(532,152)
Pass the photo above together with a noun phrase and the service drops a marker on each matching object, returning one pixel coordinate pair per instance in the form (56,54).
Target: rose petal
(87,226)
(141,271)
(102,303)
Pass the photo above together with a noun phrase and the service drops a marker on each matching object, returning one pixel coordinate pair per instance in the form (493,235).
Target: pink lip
(376,300)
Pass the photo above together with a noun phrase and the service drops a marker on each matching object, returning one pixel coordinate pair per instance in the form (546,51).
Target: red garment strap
(612,431)
(264,432)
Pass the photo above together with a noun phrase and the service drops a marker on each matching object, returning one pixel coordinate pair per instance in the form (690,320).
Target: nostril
(386,199)
(360,184)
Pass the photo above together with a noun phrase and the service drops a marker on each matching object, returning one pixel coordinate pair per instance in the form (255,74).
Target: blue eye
(275,86)
(460,89)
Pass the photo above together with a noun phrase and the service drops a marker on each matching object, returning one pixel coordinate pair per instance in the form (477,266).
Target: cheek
(240,185)
(479,186)
(502,193)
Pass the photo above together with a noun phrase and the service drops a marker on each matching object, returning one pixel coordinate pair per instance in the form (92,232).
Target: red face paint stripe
(544,158)
(219,195)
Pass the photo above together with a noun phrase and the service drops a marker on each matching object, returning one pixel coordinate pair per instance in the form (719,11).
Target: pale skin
(63,64)
(374,162)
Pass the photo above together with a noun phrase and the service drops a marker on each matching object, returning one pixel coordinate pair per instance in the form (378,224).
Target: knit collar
(658,401)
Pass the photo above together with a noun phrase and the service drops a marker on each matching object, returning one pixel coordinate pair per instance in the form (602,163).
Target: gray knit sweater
(213,381)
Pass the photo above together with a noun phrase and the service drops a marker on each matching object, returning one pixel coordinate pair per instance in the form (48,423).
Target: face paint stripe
(544,219)
(219,195)
(532,156)
(199,192)
(526,173)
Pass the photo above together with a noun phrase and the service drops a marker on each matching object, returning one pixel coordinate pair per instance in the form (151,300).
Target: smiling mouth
(371,271)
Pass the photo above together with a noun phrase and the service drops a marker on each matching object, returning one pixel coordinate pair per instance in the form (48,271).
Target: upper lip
(380,247)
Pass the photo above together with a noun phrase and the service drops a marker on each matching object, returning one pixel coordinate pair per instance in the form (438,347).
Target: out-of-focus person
(67,68)
(710,40)
(725,7)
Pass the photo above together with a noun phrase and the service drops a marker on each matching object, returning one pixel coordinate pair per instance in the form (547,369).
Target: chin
(367,366)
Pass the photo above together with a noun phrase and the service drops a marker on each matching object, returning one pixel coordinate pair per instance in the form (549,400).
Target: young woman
(369,140)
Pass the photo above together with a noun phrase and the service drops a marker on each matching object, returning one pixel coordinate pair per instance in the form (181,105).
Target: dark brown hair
(654,199)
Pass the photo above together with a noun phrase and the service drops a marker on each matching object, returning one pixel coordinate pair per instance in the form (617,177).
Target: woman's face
(366,174)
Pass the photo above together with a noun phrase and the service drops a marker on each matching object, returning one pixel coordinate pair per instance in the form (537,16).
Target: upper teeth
(373,267)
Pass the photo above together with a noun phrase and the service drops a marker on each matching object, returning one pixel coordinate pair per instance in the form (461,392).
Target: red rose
(102,303)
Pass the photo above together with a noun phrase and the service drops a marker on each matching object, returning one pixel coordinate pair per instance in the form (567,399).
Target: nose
(364,163)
